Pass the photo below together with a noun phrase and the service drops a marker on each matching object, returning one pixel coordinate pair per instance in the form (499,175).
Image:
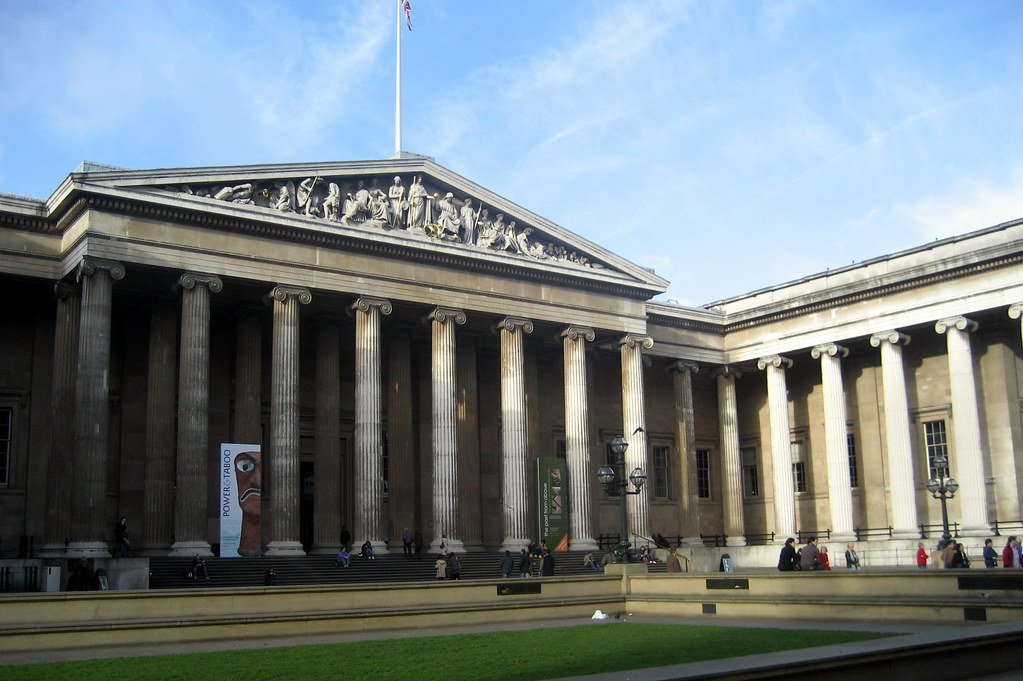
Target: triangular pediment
(413,201)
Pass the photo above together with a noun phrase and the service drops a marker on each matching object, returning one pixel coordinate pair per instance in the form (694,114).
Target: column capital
(727,371)
(890,336)
(89,266)
(631,340)
(959,322)
(190,280)
(514,324)
(1016,310)
(367,303)
(282,292)
(682,366)
(63,290)
(446,314)
(776,361)
(574,333)
(832,349)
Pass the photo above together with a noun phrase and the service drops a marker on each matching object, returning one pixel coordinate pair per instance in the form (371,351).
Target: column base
(583,544)
(188,549)
(843,537)
(913,533)
(695,542)
(87,549)
(735,541)
(284,548)
(380,548)
(324,549)
(514,544)
(450,546)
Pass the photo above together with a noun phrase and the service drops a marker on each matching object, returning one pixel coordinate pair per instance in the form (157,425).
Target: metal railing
(867,532)
(938,528)
(803,536)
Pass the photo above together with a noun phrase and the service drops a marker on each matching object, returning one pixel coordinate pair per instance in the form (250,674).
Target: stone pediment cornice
(427,214)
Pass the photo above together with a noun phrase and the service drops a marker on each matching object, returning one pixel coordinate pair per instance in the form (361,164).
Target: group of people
(812,557)
(448,566)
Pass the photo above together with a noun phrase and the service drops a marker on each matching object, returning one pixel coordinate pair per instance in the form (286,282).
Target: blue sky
(728,144)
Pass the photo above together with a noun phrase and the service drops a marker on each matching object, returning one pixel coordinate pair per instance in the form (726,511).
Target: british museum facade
(359,348)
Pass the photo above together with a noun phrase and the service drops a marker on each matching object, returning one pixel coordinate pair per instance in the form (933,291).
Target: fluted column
(513,432)
(401,501)
(190,533)
(469,498)
(685,420)
(836,440)
(634,426)
(1016,312)
(898,437)
(60,462)
(577,439)
(969,468)
(731,458)
(327,448)
(248,380)
(158,529)
(89,520)
(369,465)
(283,466)
(781,444)
(445,428)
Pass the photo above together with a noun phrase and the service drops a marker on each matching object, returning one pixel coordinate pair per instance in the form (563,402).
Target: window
(6,439)
(703,473)
(936,440)
(854,471)
(750,481)
(798,466)
(662,484)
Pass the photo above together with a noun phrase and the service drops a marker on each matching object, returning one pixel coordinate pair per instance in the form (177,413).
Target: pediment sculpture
(414,208)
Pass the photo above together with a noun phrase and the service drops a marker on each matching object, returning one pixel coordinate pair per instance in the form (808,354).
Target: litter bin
(726,563)
(51,579)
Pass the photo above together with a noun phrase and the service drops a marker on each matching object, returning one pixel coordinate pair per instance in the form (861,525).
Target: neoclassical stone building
(404,345)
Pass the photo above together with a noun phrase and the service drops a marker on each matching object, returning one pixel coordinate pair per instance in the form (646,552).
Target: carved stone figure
(286,198)
(241,193)
(396,195)
(447,215)
(332,204)
(417,199)
(351,211)
(468,217)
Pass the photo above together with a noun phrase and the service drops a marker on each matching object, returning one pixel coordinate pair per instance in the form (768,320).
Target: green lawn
(496,656)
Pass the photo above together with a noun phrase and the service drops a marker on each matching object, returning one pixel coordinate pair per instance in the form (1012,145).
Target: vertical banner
(553,496)
(241,493)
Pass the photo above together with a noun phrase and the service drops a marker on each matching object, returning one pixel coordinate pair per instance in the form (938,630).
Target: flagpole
(397,77)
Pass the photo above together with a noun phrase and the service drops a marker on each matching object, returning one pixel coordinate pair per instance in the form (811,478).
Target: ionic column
(193,415)
(689,494)
(89,521)
(445,428)
(633,426)
(327,447)
(966,431)
(836,440)
(369,465)
(898,437)
(65,357)
(577,439)
(781,444)
(283,466)
(469,497)
(158,530)
(731,458)
(1016,312)
(513,432)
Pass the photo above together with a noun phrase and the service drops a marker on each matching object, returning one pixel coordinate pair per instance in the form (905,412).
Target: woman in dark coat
(788,559)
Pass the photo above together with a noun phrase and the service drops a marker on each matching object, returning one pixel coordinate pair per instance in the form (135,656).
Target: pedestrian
(454,567)
(344,559)
(787,560)
(270,577)
(547,564)
(589,562)
(990,555)
(367,550)
(946,554)
(417,544)
(406,543)
(199,567)
(921,556)
(673,564)
(441,565)
(959,558)
(852,559)
(810,556)
(345,537)
(507,564)
(825,561)
(1010,554)
(121,537)
(524,567)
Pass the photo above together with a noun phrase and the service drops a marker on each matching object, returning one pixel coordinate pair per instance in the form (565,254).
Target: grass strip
(497,656)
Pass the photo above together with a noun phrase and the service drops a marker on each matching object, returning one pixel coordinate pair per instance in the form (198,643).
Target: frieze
(410,206)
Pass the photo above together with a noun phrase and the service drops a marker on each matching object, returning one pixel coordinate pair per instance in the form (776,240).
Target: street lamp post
(944,489)
(616,485)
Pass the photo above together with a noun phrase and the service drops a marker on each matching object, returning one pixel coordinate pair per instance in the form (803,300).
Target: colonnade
(176,483)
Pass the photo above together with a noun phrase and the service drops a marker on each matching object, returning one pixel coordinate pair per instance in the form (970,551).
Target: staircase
(170,573)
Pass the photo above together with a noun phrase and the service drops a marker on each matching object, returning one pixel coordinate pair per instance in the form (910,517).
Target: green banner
(552,477)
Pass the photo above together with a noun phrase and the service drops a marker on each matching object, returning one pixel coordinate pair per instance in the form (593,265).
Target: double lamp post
(616,485)
(944,489)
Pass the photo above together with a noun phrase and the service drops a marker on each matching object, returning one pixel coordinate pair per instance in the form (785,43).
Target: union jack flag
(408,13)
